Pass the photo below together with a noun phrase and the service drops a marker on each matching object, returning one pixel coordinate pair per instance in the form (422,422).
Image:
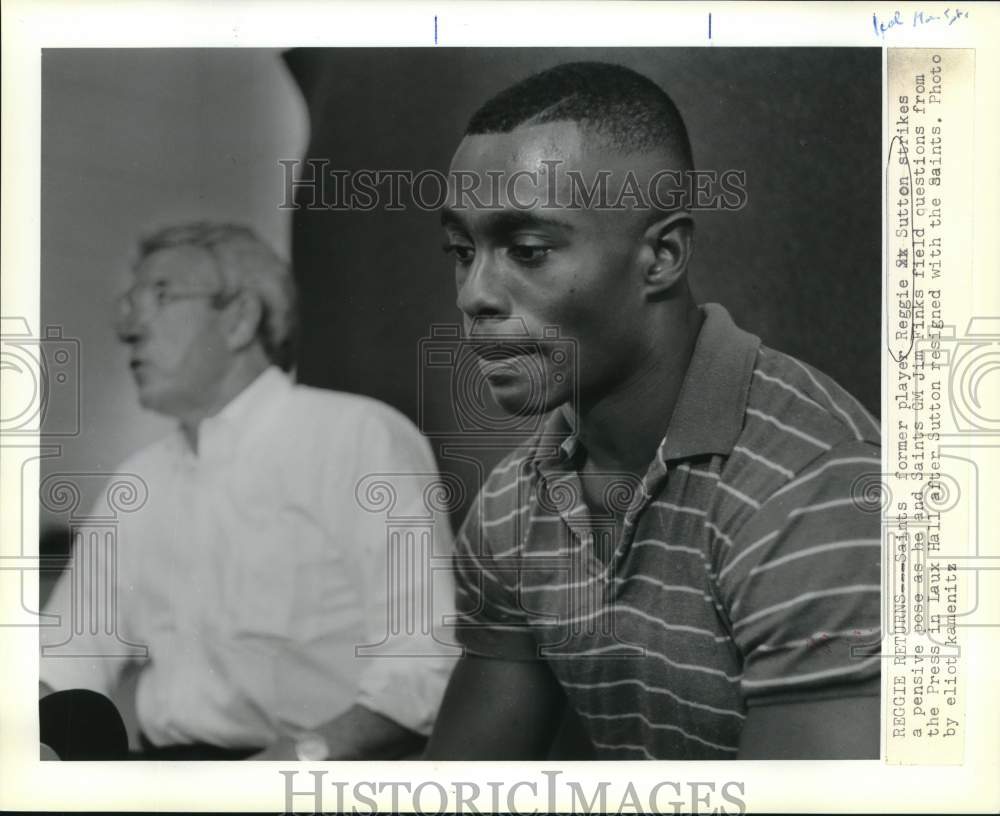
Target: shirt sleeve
(407,592)
(491,621)
(801,583)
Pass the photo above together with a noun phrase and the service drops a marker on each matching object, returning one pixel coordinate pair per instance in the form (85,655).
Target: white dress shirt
(257,566)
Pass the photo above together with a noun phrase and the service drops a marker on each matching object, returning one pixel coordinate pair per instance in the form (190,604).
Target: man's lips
(139,368)
(491,350)
(508,361)
(498,371)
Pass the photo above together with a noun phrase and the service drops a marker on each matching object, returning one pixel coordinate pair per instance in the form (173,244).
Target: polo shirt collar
(710,410)
(709,413)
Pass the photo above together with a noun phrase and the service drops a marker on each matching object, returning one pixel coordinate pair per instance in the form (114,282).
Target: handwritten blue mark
(881,27)
(435,29)
(919,18)
(710,25)
(953,16)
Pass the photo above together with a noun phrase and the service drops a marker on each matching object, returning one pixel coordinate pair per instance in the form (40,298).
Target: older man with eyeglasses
(253,574)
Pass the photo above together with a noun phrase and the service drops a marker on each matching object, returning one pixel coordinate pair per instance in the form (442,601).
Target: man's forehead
(527,147)
(562,158)
(180,265)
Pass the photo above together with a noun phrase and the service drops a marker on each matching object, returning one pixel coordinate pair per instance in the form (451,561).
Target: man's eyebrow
(449,218)
(500,221)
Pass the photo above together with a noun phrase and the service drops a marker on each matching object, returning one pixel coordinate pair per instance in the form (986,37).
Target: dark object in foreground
(79,724)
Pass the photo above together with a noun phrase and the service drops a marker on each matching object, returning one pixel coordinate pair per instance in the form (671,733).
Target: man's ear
(244,314)
(669,242)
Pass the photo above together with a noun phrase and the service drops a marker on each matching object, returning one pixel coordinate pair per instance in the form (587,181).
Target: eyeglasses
(147,300)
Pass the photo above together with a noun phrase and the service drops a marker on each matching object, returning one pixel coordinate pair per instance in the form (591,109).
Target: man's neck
(621,431)
(243,372)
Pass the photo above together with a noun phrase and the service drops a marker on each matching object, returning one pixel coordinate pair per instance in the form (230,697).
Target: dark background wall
(799,265)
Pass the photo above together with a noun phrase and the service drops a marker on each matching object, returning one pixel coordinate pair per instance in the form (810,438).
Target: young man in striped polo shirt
(679,552)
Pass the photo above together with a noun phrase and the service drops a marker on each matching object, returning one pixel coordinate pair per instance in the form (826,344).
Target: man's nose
(130,328)
(480,292)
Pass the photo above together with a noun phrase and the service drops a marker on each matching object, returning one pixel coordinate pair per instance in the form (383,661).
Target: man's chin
(150,399)
(522,385)
(515,397)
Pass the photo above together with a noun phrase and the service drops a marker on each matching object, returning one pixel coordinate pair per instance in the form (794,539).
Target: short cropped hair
(245,264)
(629,110)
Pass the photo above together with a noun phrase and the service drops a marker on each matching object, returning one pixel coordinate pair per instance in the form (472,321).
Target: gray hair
(245,263)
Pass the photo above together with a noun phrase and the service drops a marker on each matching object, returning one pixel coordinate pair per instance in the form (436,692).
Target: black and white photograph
(461,404)
(498,407)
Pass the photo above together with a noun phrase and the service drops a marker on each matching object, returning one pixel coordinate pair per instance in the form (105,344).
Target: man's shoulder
(323,417)
(137,480)
(153,455)
(797,413)
(798,496)
(357,410)
(804,440)
(311,396)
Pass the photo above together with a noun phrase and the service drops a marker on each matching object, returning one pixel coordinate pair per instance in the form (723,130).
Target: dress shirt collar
(219,436)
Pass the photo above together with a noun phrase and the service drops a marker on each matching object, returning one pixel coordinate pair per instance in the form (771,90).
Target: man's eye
(528,253)
(462,253)
(160,292)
